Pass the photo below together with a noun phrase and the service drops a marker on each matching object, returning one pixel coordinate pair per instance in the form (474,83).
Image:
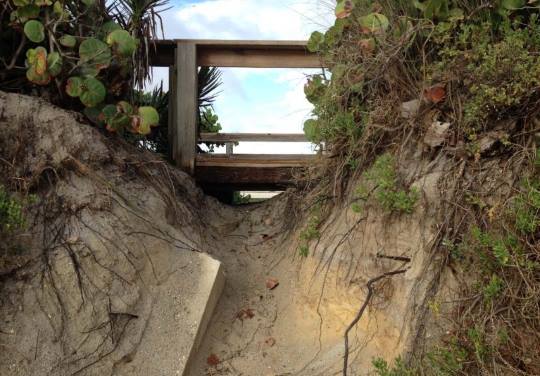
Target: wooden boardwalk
(240,171)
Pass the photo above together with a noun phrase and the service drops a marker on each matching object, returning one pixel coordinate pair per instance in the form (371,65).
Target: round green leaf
(374,22)
(74,86)
(125,107)
(31,56)
(58,9)
(109,111)
(89,3)
(122,42)
(316,41)
(334,33)
(37,58)
(93,92)
(54,64)
(311,130)
(118,122)
(68,41)
(35,31)
(89,70)
(109,27)
(95,53)
(149,117)
(37,78)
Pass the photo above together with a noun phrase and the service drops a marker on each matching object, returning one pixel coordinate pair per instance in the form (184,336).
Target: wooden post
(186,106)
(229,146)
(173,120)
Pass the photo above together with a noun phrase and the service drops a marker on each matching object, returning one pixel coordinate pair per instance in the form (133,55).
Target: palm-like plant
(142,18)
(209,81)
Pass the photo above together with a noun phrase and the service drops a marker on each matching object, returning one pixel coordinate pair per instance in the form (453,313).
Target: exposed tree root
(367,300)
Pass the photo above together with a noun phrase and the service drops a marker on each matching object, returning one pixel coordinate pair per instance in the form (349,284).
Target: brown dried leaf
(245,313)
(435,94)
(272,283)
(213,360)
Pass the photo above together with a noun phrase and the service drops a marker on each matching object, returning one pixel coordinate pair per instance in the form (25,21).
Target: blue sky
(254,100)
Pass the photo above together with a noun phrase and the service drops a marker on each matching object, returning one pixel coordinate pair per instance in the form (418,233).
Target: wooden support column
(229,146)
(186,107)
(173,119)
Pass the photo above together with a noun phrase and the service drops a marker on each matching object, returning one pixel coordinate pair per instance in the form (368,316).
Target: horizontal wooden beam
(245,178)
(256,58)
(252,137)
(253,160)
(230,53)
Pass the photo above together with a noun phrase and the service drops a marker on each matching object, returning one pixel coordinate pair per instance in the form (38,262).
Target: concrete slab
(181,312)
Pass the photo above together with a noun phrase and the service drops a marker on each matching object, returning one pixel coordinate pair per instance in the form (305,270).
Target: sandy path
(255,330)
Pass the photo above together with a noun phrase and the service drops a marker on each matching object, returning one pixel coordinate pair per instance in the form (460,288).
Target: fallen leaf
(435,94)
(270,341)
(213,360)
(245,313)
(272,283)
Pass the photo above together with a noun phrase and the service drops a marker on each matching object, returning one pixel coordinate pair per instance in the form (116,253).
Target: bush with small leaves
(11,212)
(383,181)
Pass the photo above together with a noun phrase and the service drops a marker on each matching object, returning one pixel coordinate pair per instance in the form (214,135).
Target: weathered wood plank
(186,105)
(253,160)
(270,178)
(256,58)
(230,52)
(255,43)
(252,137)
(173,119)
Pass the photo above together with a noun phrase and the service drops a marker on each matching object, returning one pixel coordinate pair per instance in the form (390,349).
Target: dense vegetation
(471,68)
(85,55)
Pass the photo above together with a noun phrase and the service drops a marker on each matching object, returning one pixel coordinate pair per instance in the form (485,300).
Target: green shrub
(311,231)
(11,212)
(386,187)
(382,368)
(446,360)
(497,71)
(484,59)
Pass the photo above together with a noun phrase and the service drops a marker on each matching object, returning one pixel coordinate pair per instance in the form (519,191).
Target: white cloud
(248,19)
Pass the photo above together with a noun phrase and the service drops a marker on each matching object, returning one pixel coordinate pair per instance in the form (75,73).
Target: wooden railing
(229,159)
(183,57)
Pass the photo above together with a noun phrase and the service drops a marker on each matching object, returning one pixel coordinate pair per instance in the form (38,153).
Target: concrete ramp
(181,311)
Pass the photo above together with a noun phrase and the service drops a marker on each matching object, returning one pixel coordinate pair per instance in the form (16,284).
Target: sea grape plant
(74,46)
